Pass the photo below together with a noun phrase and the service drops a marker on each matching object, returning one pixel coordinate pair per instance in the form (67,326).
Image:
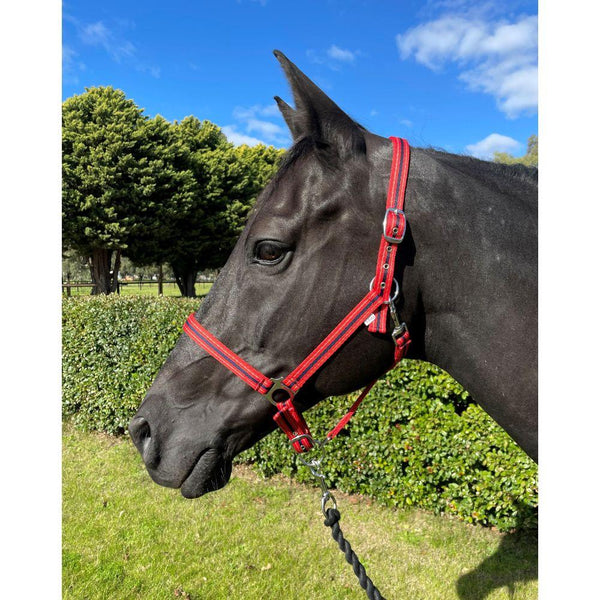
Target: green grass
(132,288)
(125,537)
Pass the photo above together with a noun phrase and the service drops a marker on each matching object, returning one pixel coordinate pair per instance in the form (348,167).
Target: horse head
(467,283)
(304,259)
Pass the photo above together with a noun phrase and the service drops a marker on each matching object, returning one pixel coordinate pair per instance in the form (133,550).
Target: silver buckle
(278,385)
(392,296)
(309,439)
(389,238)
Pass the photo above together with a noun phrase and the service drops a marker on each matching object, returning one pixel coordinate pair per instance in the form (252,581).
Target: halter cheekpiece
(371,311)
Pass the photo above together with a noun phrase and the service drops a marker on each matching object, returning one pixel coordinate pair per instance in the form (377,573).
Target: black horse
(467,270)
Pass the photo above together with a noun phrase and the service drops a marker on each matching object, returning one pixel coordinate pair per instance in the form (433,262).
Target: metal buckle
(304,436)
(389,238)
(278,385)
(392,296)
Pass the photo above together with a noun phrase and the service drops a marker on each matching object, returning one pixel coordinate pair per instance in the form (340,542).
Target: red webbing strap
(395,223)
(344,420)
(292,423)
(400,351)
(287,417)
(238,366)
(330,345)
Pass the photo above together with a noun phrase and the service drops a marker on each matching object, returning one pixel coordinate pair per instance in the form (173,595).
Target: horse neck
(470,297)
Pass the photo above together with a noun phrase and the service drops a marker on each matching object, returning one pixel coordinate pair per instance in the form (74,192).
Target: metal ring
(394,295)
(325,498)
(278,385)
(299,438)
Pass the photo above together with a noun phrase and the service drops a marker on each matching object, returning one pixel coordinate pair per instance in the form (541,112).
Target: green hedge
(417,440)
(112,349)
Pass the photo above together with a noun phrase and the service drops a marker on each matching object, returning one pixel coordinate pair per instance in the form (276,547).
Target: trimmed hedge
(418,438)
(113,347)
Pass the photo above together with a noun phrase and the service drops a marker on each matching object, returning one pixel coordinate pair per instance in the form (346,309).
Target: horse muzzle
(196,473)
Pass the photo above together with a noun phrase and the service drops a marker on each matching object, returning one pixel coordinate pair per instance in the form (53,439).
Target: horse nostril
(139,429)
(141,434)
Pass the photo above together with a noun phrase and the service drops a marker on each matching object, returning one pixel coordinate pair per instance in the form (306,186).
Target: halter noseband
(372,310)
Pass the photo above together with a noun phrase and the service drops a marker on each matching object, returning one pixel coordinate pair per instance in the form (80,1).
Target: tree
(529,159)
(108,179)
(257,164)
(215,186)
(170,193)
(154,191)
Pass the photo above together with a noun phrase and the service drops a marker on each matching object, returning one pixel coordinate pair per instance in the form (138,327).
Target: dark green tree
(154,191)
(108,179)
(216,185)
(171,192)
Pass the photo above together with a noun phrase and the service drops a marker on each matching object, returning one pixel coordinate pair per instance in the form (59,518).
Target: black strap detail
(332,520)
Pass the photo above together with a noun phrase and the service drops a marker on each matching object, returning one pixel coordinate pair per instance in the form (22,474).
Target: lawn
(125,537)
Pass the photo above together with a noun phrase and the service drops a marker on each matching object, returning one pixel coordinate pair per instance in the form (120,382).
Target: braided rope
(332,520)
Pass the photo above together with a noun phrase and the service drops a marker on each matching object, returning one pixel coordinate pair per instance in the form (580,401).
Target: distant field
(132,288)
(124,537)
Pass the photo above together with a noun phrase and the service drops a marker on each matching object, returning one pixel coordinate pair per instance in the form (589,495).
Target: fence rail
(170,288)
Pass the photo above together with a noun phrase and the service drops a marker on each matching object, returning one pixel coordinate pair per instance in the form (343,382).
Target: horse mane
(484,169)
(499,173)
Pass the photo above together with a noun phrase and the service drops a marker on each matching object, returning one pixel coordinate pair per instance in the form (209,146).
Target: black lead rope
(332,517)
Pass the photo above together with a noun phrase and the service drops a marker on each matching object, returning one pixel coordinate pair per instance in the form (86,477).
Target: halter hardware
(372,310)
(398,234)
(278,385)
(393,297)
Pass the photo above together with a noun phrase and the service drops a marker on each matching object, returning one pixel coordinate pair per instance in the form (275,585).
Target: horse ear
(317,115)
(290,117)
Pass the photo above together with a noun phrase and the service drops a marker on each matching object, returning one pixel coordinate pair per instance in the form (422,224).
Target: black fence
(135,287)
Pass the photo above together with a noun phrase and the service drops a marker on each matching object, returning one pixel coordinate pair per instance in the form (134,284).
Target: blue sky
(453,74)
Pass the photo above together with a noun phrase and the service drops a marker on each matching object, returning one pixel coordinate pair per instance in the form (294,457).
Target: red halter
(372,310)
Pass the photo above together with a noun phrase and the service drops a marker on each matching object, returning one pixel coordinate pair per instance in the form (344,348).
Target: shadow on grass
(515,560)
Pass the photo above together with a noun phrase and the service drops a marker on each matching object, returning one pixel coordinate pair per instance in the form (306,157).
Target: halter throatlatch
(371,311)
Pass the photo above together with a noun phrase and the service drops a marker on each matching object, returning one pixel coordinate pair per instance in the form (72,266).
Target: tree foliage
(154,191)
(529,159)
(107,178)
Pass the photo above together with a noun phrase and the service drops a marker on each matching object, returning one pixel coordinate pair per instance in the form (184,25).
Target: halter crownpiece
(371,311)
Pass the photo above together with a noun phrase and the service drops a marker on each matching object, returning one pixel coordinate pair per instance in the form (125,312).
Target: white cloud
(68,57)
(497,58)
(247,112)
(94,33)
(336,53)
(333,57)
(112,41)
(266,128)
(250,123)
(152,70)
(70,65)
(97,34)
(494,142)
(238,138)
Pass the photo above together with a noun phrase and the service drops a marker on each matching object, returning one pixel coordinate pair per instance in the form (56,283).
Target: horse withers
(467,273)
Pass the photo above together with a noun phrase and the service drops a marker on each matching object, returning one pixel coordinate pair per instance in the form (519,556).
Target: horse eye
(268,252)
